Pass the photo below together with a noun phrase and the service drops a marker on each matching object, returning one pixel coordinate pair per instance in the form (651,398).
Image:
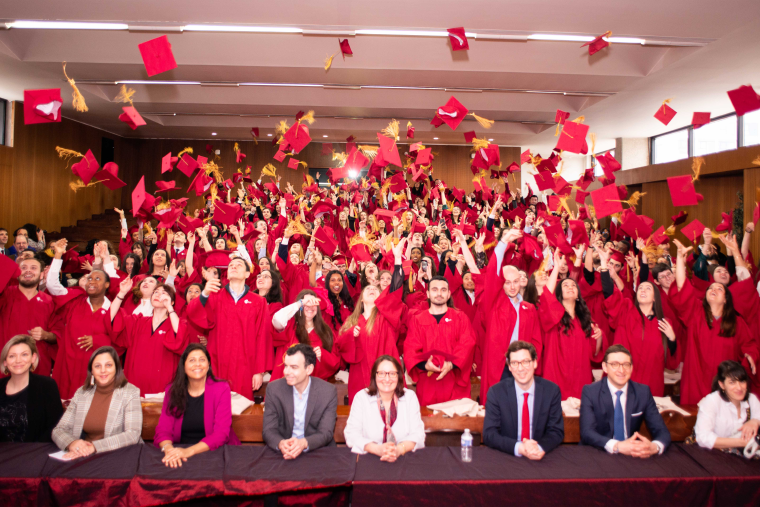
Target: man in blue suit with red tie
(523,412)
(613,409)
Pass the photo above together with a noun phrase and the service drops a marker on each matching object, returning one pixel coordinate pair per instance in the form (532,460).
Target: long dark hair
(143,249)
(582,312)
(275,293)
(119,380)
(443,265)
(343,296)
(150,261)
(135,267)
(531,292)
(178,391)
(658,314)
(372,389)
(728,319)
(320,326)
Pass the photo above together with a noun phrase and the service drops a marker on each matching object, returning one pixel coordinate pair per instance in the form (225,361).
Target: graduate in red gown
(268,286)
(439,348)
(26,310)
(239,341)
(641,327)
(85,320)
(724,336)
(153,343)
(571,338)
(190,330)
(503,317)
(372,329)
(302,322)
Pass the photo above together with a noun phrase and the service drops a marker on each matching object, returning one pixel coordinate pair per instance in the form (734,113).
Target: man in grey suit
(300,411)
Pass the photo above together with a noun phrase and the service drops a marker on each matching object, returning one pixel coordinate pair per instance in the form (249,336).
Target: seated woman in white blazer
(385,418)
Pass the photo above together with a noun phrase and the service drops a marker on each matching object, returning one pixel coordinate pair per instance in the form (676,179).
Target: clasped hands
(530,449)
(431,367)
(292,447)
(637,446)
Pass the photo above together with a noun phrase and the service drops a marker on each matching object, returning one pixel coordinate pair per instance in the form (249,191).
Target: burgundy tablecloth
(569,475)
(737,480)
(21,473)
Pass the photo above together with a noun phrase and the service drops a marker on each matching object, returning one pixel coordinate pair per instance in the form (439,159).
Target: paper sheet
(239,403)
(59,456)
(571,407)
(464,407)
(342,376)
(666,403)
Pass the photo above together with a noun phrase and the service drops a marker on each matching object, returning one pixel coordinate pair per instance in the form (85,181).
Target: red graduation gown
(567,356)
(362,351)
(706,349)
(239,341)
(19,315)
(644,340)
(152,356)
(326,366)
(453,336)
(594,298)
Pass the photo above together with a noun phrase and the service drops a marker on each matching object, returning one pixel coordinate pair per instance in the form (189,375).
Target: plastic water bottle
(466,446)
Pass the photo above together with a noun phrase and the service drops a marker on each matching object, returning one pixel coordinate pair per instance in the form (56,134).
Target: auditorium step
(103,226)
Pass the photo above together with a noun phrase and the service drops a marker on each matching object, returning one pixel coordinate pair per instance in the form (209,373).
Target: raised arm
(551,284)
(124,288)
(53,281)
(468,258)
(681,263)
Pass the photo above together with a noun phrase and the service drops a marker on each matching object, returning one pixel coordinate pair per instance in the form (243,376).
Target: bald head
(511,281)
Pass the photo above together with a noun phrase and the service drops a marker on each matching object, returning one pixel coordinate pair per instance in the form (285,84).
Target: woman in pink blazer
(197,410)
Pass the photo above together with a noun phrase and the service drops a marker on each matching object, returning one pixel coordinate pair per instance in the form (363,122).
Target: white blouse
(365,426)
(717,418)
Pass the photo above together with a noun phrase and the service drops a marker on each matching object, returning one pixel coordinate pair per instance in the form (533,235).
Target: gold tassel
(308,118)
(670,230)
(591,210)
(186,150)
(66,153)
(542,268)
(369,241)
(556,130)
(634,200)
(305,165)
(125,95)
(163,205)
(269,170)
(340,157)
(563,202)
(76,185)
(696,167)
(485,123)
(391,130)
(296,227)
(478,144)
(78,103)
(328,61)
(236,148)
(281,128)
(592,136)
(368,150)
(579,119)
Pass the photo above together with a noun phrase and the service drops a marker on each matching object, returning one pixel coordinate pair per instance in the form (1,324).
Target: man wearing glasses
(613,409)
(523,412)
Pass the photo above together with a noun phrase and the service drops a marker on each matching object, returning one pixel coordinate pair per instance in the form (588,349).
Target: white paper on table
(597,375)
(153,398)
(571,407)
(464,407)
(666,403)
(672,377)
(60,456)
(342,376)
(239,403)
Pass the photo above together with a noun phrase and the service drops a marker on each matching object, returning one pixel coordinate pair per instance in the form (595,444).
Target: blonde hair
(353,319)
(16,340)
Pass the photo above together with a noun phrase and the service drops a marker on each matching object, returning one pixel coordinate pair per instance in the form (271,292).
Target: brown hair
(16,340)
(727,318)
(613,349)
(120,380)
(372,389)
(518,345)
(353,319)
(320,326)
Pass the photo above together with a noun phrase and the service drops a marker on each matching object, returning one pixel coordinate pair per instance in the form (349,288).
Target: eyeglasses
(617,366)
(263,276)
(387,374)
(525,364)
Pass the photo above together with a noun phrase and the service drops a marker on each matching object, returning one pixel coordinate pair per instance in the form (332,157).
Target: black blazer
(502,411)
(321,413)
(598,412)
(44,408)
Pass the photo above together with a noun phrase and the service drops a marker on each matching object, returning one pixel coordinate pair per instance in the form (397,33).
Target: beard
(29,284)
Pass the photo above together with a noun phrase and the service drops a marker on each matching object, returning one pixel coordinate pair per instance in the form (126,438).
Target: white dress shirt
(299,411)
(717,418)
(610,445)
(520,394)
(365,425)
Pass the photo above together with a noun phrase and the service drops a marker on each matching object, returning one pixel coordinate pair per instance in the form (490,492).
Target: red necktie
(525,419)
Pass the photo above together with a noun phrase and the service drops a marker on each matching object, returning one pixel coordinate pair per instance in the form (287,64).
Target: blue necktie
(619,419)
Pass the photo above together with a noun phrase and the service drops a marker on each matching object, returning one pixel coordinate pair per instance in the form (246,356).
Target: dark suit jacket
(321,412)
(44,408)
(502,411)
(598,412)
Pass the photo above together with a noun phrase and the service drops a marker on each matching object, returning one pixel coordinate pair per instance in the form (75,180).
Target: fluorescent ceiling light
(294,85)
(67,25)
(325,135)
(147,82)
(242,28)
(213,133)
(491,139)
(269,135)
(411,33)
(435,138)
(626,40)
(560,37)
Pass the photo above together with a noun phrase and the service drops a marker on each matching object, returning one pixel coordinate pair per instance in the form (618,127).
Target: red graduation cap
(580,196)
(293,163)
(167,217)
(356,160)
(561,116)
(179,203)
(165,186)
(726,223)
(279,156)
(597,44)
(86,168)
(42,106)
(361,253)
(255,131)
(553,202)
(167,163)
(398,182)
(578,230)
(609,164)
(679,218)
(469,136)
(606,201)
(418,227)
(321,208)
(187,224)
(582,213)
(693,231)
(209,148)
(417,175)
(138,196)
(272,188)
(8,270)
(384,214)
(682,191)
(665,113)
(239,157)
(586,179)
(659,237)
(157,55)
(388,150)
(636,227)
(544,180)
(187,165)
(325,243)
(556,238)
(744,100)
(452,113)
(201,160)
(219,259)
(297,137)
(109,176)
(227,214)
(335,174)
(699,119)
(458,39)
(561,186)
(410,132)
(424,156)
(327,148)
(573,137)
(525,157)
(345,47)
(512,168)
(437,121)
(131,117)
(201,183)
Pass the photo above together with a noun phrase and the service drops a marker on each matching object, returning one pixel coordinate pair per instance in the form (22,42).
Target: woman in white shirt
(385,418)
(729,416)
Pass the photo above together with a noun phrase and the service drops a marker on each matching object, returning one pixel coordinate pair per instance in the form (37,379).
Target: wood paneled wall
(34,182)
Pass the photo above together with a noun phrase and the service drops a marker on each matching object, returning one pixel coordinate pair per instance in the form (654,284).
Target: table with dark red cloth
(569,475)
(737,480)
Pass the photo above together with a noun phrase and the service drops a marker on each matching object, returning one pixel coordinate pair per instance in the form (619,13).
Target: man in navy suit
(613,409)
(523,412)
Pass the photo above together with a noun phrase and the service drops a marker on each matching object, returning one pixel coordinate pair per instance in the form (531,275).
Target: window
(670,147)
(751,128)
(718,135)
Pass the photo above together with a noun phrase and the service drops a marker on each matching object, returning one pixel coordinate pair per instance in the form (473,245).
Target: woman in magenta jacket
(197,410)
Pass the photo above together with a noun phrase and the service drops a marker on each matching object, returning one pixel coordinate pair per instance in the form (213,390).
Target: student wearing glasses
(385,418)
(613,409)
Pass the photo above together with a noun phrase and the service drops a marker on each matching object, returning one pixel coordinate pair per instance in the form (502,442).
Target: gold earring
(92,381)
